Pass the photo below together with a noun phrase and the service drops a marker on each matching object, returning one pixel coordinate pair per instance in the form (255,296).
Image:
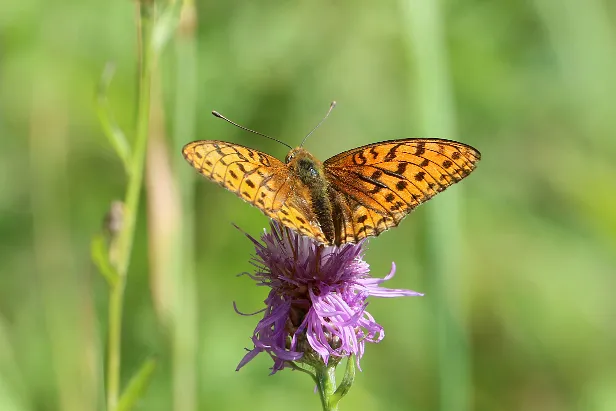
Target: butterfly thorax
(309,171)
(307,168)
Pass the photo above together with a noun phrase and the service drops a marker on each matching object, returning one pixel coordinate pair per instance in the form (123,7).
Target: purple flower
(316,309)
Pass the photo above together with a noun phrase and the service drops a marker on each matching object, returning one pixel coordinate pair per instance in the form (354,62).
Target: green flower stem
(326,384)
(325,378)
(124,243)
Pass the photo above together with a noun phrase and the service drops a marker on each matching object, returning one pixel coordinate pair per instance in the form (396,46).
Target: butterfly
(353,195)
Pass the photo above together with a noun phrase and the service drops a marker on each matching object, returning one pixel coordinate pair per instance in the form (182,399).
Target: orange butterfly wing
(377,185)
(257,178)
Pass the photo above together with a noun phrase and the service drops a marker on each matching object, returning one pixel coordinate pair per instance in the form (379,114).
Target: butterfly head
(294,153)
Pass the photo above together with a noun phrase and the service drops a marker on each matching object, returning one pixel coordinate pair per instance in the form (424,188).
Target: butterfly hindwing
(354,221)
(298,214)
(379,184)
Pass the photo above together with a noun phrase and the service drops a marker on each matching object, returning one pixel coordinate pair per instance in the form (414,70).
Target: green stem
(124,244)
(426,41)
(185,321)
(326,384)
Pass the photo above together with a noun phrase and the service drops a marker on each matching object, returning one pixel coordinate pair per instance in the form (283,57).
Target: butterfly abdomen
(322,208)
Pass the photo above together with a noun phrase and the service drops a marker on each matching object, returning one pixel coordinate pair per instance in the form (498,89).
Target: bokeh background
(518,262)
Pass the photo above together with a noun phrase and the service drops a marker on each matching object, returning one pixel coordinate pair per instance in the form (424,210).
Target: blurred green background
(518,262)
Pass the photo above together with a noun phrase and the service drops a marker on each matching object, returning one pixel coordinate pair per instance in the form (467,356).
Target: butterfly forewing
(256,177)
(379,184)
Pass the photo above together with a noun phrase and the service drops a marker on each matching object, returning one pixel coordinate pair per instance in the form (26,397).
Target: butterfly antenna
(331,107)
(217,114)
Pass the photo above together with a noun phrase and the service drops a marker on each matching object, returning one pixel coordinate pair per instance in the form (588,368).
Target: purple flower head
(316,309)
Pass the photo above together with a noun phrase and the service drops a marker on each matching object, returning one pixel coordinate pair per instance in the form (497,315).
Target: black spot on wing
(359,158)
(263,159)
(391,154)
(374,153)
(421,148)
(401,167)
(364,229)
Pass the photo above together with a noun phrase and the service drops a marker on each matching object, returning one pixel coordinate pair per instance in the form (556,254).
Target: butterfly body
(308,171)
(355,194)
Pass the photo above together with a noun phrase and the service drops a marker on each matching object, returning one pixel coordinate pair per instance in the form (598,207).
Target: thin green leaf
(137,386)
(347,382)
(100,257)
(113,132)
